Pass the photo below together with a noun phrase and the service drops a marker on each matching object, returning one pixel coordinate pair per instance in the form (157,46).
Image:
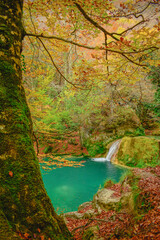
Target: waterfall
(112,150)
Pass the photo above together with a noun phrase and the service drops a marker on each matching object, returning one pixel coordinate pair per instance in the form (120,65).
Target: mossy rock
(91,233)
(105,200)
(138,151)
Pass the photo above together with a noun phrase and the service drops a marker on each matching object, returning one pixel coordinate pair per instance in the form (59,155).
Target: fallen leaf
(26,235)
(10,173)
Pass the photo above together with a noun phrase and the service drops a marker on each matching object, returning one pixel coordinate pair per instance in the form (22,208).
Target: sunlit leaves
(58,162)
(56,104)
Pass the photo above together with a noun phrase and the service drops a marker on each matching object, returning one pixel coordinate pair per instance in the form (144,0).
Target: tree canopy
(103,48)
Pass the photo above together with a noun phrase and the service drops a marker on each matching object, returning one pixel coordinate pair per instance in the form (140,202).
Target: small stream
(68,187)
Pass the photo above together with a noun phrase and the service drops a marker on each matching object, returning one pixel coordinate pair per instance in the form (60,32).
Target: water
(68,187)
(110,154)
(112,150)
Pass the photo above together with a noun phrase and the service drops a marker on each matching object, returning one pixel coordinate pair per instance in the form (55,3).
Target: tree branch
(87,17)
(135,14)
(63,40)
(39,36)
(74,85)
(138,64)
(129,28)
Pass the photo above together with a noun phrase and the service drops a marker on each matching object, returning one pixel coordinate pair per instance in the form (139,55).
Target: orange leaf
(26,235)
(10,173)
(39,230)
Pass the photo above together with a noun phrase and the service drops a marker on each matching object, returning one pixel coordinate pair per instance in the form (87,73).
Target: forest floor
(64,144)
(141,224)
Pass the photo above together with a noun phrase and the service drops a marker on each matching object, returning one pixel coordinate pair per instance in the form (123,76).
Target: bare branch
(138,64)
(93,22)
(63,40)
(125,31)
(88,47)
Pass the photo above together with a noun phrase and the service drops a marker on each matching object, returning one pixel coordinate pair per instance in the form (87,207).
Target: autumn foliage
(143,223)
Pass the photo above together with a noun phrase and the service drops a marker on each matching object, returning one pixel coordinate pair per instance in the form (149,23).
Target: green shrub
(95,149)
(139,131)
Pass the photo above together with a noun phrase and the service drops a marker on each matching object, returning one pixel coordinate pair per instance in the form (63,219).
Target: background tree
(123,52)
(154,75)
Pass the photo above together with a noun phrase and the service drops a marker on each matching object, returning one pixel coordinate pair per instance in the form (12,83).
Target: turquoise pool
(68,187)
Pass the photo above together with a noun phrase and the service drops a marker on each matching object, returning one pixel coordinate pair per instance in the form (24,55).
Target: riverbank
(125,210)
(135,219)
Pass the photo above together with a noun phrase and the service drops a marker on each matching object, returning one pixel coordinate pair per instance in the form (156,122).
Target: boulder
(127,202)
(89,213)
(104,199)
(84,205)
(75,215)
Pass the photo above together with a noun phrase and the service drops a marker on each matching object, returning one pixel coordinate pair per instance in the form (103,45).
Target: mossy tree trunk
(24,205)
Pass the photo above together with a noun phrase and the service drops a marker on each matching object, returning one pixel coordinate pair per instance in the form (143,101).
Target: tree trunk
(25,209)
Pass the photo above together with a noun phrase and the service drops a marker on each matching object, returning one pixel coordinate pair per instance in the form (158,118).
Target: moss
(6,38)
(141,205)
(6,229)
(138,152)
(2,91)
(130,200)
(90,233)
(20,193)
(6,67)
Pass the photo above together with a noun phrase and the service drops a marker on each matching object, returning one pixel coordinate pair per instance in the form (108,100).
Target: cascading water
(112,150)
